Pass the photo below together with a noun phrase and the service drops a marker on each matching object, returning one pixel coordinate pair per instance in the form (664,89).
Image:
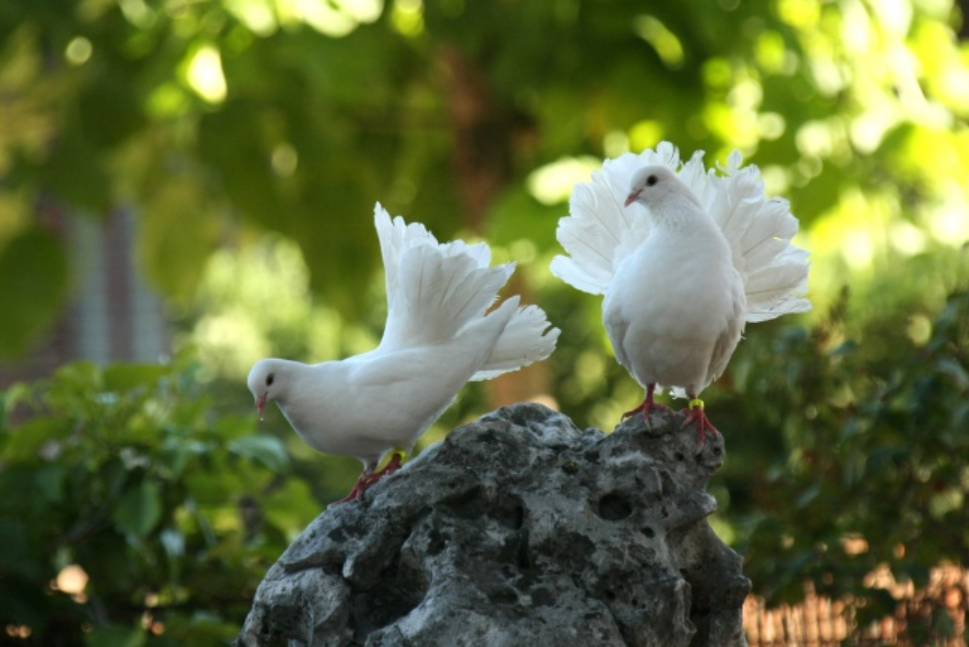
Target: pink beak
(632,197)
(261,404)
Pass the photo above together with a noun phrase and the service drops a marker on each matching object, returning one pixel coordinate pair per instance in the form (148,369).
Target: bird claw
(369,479)
(645,410)
(647,407)
(703,425)
(356,493)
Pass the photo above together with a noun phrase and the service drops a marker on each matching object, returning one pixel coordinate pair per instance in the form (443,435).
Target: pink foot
(392,466)
(368,479)
(358,489)
(648,406)
(703,424)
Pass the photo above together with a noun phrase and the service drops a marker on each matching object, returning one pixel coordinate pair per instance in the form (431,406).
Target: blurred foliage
(219,119)
(132,514)
(253,137)
(867,464)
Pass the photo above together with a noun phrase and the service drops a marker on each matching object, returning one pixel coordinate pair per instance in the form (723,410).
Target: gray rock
(518,530)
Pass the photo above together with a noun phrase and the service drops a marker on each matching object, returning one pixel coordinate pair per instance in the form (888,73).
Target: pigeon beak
(261,404)
(632,197)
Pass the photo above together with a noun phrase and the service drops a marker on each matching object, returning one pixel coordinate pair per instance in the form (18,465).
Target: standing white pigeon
(681,276)
(437,337)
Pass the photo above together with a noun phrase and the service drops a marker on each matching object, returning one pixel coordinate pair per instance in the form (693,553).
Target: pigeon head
(654,185)
(267,382)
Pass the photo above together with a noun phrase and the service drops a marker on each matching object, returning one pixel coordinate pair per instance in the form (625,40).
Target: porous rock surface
(518,529)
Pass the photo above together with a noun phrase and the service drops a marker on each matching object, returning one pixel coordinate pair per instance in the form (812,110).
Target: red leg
(648,406)
(369,478)
(395,462)
(703,424)
(358,488)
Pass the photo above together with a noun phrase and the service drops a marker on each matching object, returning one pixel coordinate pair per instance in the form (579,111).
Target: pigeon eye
(651,180)
(270,378)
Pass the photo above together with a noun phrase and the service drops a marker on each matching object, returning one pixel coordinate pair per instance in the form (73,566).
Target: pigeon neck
(677,212)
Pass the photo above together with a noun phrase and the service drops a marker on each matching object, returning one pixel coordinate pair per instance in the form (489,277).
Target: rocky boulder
(518,529)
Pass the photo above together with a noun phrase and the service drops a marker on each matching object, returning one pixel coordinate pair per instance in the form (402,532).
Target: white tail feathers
(773,289)
(437,291)
(600,231)
(522,343)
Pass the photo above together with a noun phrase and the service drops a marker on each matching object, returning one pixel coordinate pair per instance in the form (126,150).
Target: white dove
(681,277)
(437,337)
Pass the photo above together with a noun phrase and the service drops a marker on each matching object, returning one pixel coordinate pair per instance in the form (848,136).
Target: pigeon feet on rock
(392,466)
(359,488)
(703,424)
(648,406)
(369,478)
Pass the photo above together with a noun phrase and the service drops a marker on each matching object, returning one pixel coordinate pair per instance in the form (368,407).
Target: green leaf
(115,636)
(109,108)
(178,452)
(290,507)
(9,400)
(14,542)
(199,628)
(176,223)
(125,377)
(33,286)
(174,543)
(79,376)
(25,441)
(954,370)
(75,172)
(808,495)
(139,510)
(50,481)
(263,448)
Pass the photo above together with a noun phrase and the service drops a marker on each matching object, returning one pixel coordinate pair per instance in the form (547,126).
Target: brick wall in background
(113,315)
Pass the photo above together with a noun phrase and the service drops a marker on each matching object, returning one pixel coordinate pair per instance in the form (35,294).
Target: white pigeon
(684,258)
(437,337)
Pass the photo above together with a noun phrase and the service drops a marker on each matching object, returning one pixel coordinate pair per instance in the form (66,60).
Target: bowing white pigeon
(684,258)
(437,337)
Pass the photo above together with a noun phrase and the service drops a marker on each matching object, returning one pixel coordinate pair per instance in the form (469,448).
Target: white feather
(683,267)
(521,343)
(599,232)
(438,336)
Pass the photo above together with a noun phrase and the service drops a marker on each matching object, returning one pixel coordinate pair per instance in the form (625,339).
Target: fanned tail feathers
(523,342)
(775,289)
(600,231)
(759,230)
(437,291)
